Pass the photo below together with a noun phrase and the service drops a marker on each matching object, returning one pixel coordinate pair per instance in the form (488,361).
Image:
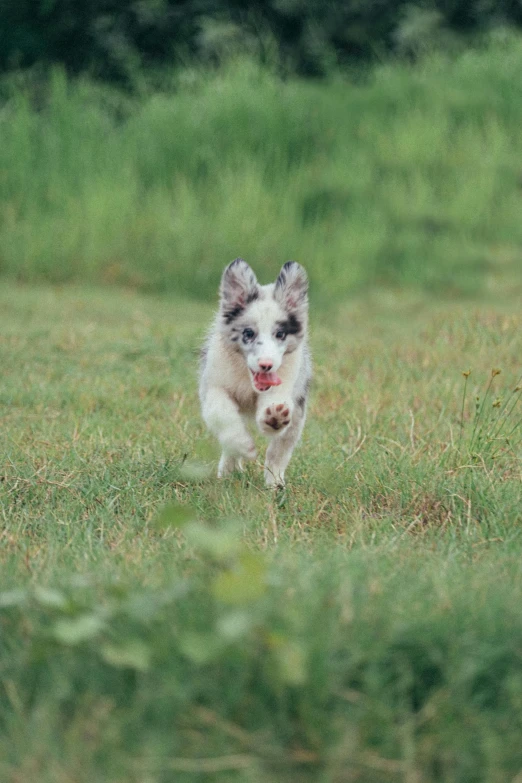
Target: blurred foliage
(115,39)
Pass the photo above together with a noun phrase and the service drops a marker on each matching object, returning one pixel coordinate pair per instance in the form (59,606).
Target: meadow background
(364,624)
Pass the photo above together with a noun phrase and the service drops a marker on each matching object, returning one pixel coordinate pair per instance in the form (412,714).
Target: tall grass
(410,176)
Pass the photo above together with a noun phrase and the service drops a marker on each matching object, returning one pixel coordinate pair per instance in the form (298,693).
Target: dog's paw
(275,418)
(238,445)
(274,477)
(249,451)
(229,464)
(245,448)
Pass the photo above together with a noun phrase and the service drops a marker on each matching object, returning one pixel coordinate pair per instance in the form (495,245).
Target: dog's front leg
(278,418)
(280,450)
(223,419)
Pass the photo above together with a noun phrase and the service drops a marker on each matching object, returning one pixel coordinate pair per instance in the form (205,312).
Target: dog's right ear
(238,288)
(291,287)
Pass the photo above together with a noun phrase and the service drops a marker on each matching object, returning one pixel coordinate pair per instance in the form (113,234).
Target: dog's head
(266,322)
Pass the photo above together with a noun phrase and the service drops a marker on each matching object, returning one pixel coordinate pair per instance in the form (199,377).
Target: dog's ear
(291,287)
(238,288)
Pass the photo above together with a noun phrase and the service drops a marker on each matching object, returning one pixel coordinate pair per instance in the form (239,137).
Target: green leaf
(193,472)
(234,625)
(78,629)
(291,658)
(12,598)
(174,515)
(53,599)
(200,647)
(243,584)
(133,654)
(219,544)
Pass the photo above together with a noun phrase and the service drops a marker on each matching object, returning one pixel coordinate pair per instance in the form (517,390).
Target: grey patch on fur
(238,288)
(292,283)
(233,313)
(292,325)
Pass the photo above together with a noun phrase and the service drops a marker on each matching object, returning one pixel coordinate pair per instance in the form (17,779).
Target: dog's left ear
(291,287)
(238,288)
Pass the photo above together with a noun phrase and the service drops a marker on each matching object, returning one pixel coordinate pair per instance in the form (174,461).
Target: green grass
(157,625)
(409,176)
(363,625)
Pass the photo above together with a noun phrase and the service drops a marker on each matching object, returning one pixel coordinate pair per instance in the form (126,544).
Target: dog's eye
(248,334)
(280,334)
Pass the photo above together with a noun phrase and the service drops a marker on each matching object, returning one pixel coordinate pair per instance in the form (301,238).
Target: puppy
(256,365)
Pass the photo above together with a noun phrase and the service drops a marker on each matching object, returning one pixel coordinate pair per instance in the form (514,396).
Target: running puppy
(256,364)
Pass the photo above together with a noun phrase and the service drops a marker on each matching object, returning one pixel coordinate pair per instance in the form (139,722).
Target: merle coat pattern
(256,365)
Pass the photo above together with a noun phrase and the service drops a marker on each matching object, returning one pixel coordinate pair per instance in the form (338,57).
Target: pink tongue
(266,379)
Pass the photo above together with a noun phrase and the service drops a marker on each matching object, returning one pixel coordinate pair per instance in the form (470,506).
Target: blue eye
(248,334)
(280,334)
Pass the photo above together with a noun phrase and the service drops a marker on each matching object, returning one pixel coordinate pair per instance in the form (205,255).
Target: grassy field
(405,175)
(158,625)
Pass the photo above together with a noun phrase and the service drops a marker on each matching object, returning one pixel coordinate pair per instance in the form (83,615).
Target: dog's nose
(265,364)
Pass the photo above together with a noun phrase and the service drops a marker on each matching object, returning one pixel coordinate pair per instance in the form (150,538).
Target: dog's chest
(240,389)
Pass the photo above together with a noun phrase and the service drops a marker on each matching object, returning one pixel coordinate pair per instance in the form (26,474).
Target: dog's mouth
(263,381)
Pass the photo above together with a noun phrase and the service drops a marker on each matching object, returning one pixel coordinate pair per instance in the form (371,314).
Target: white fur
(231,356)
